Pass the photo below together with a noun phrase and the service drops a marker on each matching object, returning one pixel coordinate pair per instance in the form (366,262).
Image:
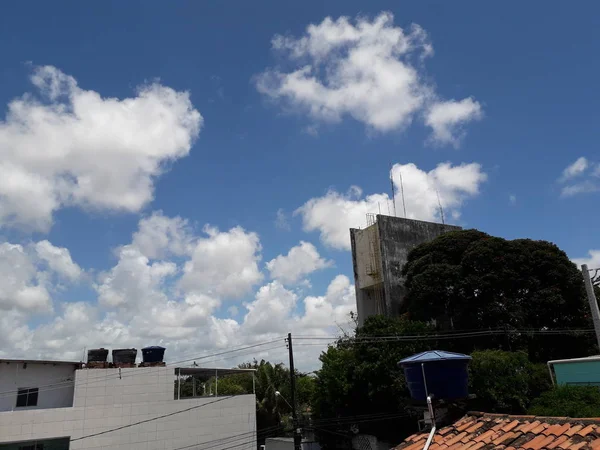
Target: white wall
(13,376)
(105,400)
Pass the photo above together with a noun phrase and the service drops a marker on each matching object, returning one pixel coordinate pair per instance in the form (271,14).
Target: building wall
(110,398)
(13,376)
(396,237)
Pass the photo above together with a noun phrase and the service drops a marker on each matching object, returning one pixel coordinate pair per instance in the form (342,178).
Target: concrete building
(378,254)
(55,405)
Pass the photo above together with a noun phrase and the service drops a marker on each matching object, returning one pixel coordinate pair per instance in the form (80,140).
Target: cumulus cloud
(134,281)
(224,263)
(301,260)
(29,273)
(58,259)
(159,236)
(580,177)
(369,70)
(145,298)
(70,146)
(334,213)
(447,119)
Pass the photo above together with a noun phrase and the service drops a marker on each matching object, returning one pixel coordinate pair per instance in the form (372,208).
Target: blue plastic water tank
(153,354)
(445,372)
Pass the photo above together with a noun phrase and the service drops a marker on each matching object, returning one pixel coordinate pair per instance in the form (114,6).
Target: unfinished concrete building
(378,254)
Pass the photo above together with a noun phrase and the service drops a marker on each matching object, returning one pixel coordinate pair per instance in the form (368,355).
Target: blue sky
(275,126)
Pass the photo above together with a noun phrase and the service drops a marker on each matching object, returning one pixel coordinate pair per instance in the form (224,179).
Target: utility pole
(296,425)
(589,288)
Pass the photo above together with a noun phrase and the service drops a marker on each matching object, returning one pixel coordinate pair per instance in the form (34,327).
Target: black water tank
(97,355)
(124,356)
(443,374)
(153,354)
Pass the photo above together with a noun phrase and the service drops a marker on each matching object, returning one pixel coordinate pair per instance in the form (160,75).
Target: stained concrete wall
(397,237)
(110,398)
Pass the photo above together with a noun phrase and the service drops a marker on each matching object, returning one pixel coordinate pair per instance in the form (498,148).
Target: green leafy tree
(505,382)
(568,401)
(360,377)
(469,280)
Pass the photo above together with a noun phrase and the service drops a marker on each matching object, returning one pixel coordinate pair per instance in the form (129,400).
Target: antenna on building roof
(393,189)
(440,205)
(402,192)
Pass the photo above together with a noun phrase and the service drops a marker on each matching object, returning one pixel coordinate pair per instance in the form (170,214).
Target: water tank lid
(154,347)
(434,355)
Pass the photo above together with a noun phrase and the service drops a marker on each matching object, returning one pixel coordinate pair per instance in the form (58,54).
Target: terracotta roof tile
(587,430)
(559,440)
(479,431)
(574,429)
(557,429)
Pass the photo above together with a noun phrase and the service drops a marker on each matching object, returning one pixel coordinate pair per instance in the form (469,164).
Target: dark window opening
(27,397)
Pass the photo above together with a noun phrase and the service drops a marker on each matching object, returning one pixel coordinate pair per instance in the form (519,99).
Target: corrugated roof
(434,355)
(496,431)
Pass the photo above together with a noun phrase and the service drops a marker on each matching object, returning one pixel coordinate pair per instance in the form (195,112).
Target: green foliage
(505,382)
(568,401)
(467,280)
(359,377)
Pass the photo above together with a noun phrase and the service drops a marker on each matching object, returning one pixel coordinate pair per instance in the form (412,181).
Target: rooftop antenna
(393,189)
(402,192)
(440,205)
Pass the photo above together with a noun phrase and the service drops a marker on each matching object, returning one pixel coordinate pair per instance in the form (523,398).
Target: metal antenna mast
(440,205)
(393,190)
(402,192)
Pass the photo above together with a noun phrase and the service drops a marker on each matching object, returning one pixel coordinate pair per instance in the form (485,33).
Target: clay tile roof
(486,431)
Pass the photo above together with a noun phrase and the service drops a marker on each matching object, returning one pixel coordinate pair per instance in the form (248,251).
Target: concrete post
(589,288)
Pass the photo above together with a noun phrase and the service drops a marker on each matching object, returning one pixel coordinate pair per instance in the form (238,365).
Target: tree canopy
(568,401)
(466,280)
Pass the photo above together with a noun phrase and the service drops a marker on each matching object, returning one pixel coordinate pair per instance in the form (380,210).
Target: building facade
(378,254)
(51,405)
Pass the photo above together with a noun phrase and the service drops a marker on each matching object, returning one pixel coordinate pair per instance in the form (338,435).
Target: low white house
(56,405)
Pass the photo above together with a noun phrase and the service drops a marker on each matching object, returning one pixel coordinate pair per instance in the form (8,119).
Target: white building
(56,405)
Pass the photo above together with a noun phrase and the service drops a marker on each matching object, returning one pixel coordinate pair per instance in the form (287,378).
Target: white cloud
(334,213)
(134,281)
(331,310)
(592,260)
(587,174)
(143,300)
(58,259)
(369,70)
(74,147)
(512,199)
(281,220)
(447,119)
(159,236)
(300,261)
(575,169)
(270,310)
(29,273)
(223,264)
